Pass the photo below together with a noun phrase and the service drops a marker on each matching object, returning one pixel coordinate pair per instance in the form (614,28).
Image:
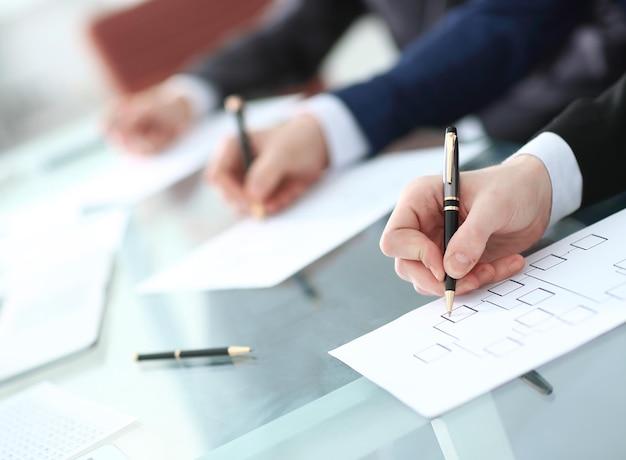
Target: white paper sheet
(255,254)
(62,316)
(568,294)
(44,237)
(45,421)
(70,263)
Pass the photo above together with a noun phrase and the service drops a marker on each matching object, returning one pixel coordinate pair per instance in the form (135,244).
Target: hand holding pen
(504,209)
(287,160)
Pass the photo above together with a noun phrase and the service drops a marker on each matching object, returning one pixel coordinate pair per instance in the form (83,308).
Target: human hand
(288,160)
(504,209)
(149,121)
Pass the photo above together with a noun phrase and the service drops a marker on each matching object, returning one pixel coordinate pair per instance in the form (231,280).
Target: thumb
(467,245)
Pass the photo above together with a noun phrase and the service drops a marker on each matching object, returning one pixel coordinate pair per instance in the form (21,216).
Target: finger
(226,163)
(158,138)
(499,269)
(421,277)
(409,244)
(415,227)
(419,199)
(116,111)
(468,243)
(265,176)
(225,173)
(487,273)
(423,292)
(286,194)
(115,126)
(131,129)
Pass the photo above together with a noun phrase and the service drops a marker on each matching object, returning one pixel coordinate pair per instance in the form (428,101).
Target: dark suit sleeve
(469,59)
(595,129)
(285,51)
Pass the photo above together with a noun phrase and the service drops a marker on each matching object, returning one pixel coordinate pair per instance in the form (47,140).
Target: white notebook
(45,422)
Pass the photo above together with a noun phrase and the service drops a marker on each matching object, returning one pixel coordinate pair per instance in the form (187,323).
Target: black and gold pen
(235,104)
(233,350)
(450,203)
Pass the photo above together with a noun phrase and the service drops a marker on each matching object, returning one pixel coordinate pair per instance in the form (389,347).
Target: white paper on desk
(568,294)
(132,179)
(53,282)
(255,254)
(48,233)
(53,311)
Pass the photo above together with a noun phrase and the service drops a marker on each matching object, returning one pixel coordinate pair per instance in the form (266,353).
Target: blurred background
(49,76)
(60,67)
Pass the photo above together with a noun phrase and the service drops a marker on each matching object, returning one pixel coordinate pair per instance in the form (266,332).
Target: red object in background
(142,45)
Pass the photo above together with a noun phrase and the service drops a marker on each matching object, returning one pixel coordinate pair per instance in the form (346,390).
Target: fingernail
(459,263)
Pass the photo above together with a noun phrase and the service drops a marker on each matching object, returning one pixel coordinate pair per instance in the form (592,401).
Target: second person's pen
(450,203)
(235,104)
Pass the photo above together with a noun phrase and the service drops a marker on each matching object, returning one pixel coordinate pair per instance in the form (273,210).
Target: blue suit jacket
(448,69)
(476,53)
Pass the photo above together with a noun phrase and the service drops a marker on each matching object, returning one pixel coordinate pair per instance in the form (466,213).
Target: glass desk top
(289,398)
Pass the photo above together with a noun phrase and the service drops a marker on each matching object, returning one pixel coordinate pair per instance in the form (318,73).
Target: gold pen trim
(450,142)
(449,198)
(450,208)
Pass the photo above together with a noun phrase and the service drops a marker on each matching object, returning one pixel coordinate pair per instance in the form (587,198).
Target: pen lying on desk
(204,352)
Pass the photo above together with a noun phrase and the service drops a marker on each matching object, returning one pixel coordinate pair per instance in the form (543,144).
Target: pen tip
(449,301)
(235,350)
(451,129)
(135,357)
(233,103)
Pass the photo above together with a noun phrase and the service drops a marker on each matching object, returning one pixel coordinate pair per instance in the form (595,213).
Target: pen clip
(450,146)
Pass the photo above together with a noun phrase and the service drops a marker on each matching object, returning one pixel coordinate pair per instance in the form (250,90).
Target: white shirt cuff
(567,180)
(202,96)
(345,141)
